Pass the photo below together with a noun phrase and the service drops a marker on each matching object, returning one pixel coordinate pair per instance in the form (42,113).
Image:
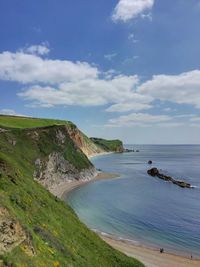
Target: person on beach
(161,250)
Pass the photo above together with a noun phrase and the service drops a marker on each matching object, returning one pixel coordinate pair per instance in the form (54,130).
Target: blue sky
(118,69)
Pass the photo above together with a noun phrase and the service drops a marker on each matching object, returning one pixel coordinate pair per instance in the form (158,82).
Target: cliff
(109,145)
(36,228)
(88,147)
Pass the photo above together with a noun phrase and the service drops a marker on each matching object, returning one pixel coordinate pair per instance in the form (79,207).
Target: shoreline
(151,257)
(100,154)
(64,189)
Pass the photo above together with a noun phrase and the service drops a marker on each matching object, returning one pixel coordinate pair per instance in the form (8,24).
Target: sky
(126,69)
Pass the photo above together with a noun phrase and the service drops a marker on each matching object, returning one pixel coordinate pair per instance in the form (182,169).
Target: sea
(141,209)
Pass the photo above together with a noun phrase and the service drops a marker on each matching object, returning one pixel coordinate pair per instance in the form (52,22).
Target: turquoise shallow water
(141,208)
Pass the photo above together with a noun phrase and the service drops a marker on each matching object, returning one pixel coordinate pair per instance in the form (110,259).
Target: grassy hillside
(108,145)
(82,141)
(39,229)
(26,122)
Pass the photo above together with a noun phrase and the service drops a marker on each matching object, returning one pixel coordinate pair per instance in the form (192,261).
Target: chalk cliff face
(56,170)
(62,161)
(69,162)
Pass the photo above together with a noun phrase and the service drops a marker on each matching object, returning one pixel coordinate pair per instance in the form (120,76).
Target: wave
(111,236)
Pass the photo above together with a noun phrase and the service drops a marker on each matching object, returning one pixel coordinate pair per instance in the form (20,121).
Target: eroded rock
(11,232)
(57,170)
(61,137)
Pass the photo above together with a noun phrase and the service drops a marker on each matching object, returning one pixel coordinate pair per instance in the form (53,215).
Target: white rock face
(57,170)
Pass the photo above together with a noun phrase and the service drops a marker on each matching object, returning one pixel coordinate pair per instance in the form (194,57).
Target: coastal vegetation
(109,145)
(28,122)
(36,228)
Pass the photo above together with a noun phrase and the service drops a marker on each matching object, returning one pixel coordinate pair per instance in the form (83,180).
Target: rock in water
(155,173)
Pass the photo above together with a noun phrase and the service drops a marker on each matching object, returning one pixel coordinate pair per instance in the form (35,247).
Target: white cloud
(150,120)
(135,102)
(130,60)
(195,125)
(167,109)
(130,9)
(85,92)
(61,82)
(147,16)
(128,106)
(11,112)
(48,83)
(132,38)
(138,119)
(110,56)
(185,116)
(195,119)
(181,89)
(170,124)
(42,49)
(27,68)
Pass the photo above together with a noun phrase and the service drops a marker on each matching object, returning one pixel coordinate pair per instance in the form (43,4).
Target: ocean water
(143,209)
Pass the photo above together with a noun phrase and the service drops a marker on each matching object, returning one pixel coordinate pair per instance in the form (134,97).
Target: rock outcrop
(155,173)
(56,170)
(64,160)
(11,232)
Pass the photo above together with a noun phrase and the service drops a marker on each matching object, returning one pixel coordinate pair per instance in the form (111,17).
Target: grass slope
(27,122)
(7,121)
(58,237)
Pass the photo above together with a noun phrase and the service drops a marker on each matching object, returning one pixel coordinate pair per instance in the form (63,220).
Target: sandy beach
(100,154)
(149,256)
(67,187)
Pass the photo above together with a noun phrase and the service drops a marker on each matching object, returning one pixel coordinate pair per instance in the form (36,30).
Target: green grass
(108,145)
(57,235)
(17,122)
(26,122)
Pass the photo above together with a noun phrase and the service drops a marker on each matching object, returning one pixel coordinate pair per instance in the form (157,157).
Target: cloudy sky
(127,69)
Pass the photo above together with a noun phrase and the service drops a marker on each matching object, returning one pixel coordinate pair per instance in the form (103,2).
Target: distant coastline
(100,154)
